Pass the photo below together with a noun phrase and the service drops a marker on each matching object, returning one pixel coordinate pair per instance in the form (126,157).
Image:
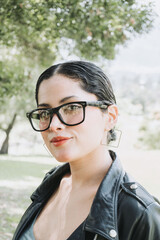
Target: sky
(142,54)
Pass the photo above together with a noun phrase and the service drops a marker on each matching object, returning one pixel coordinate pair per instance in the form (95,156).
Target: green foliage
(16,90)
(96,26)
(150,134)
(12,80)
(140,90)
(31,32)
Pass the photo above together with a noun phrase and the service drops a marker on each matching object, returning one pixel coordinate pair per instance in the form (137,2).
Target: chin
(63,157)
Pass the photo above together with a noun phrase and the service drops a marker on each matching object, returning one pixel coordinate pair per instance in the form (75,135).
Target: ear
(112,116)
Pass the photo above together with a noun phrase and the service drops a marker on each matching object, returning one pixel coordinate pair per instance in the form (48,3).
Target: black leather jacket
(122,209)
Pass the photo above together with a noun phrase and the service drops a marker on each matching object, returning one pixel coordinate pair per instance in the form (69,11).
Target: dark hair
(92,80)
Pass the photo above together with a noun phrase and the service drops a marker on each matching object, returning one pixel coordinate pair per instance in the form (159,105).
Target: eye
(44,115)
(72,108)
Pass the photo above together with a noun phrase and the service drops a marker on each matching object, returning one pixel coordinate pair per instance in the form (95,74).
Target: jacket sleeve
(148,226)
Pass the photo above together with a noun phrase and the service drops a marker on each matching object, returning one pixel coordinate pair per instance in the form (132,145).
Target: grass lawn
(18,179)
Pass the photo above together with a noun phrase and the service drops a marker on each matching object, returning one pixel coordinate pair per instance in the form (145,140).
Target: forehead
(58,87)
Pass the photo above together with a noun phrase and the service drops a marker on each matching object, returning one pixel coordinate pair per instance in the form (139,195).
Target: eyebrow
(61,101)
(66,98)
(44,105)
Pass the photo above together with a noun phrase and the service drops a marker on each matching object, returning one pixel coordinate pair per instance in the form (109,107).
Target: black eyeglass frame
(101,104)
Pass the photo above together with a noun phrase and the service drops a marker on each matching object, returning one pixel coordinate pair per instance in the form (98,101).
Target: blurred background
(122,37)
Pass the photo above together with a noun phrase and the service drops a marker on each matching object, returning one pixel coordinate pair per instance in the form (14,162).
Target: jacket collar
(50,183)
(102,218)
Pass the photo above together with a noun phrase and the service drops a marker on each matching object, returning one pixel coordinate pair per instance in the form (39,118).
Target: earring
(107,140)
(115,143)
(44,145)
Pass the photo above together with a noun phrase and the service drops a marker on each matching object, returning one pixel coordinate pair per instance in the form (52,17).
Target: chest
(62,215)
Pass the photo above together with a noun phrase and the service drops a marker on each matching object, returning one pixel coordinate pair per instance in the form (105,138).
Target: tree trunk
(5,144)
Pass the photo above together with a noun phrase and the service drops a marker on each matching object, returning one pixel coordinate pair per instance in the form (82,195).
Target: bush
(150,135)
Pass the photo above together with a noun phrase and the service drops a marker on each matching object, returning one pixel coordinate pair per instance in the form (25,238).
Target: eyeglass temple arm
(101,104)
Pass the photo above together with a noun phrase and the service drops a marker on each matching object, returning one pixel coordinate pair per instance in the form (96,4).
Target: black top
(29,235)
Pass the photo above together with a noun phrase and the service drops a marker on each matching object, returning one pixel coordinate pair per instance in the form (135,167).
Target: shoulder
(136,192)
(136,199)
(138,209)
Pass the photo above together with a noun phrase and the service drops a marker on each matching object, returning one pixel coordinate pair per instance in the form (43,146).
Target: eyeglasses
(70,114)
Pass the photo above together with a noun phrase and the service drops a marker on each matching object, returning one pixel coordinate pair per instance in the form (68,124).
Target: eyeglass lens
(70,114)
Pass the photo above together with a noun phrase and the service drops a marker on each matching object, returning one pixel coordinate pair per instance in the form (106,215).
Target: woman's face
(70,143)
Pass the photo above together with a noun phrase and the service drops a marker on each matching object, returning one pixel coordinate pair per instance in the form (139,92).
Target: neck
(91,169)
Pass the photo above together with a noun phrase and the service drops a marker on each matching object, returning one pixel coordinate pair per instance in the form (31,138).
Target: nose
(56,124)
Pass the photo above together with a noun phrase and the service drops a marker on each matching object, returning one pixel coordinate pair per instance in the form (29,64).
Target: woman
(88,197)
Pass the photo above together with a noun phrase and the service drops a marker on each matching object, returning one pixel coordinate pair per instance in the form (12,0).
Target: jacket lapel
(102,218)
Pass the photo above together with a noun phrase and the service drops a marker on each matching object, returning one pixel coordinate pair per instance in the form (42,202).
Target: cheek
(92,129)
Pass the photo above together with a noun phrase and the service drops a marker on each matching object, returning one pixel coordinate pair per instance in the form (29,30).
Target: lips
(60,140)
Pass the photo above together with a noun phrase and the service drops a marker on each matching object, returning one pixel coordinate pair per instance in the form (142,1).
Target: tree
(94,27)
(33,32)
(15,96)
